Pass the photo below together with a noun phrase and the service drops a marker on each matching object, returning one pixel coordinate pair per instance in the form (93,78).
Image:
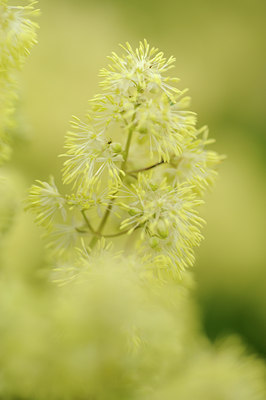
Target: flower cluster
(137,165)
(17,37)
(167,218)
(112,335)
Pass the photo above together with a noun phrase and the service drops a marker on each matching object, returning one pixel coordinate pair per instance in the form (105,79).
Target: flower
(196,164)
(45,201)
(164,125)
(168,219)
(17,34)
(139,116)
(94,199)
(17,37)
(143,69)
(62,239)
(89,155)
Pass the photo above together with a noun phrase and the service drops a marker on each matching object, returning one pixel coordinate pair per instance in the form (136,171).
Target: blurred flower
(100,336)
(17,37)
(224,371)
(45,201)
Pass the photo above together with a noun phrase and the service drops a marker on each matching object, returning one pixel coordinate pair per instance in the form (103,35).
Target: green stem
(106,215)
(87,221)
(103,235)
(93,241)
(127,148)
(145,168)
(111,202)
(119,233)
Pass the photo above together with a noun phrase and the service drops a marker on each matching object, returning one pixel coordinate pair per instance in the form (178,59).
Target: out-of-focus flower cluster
(137,165)
(17,37)
(113,334)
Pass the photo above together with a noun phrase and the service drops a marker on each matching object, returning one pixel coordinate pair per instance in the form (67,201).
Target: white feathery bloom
(17,34)
(17,37)
(168,220)
(164,125)
(83,146)
(107,109)
(45,202)
(109,161)
(95,198)
(89,155)
(138,116)
(142,69)
(63,239)
(196,164)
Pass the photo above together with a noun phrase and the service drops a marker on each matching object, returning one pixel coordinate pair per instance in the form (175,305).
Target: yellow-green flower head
(196,164)
(168,220)
(89,155)
(17,34)
(137,94)
(95,198)
(142,69)
(164,125)
(62,239)
(45,202)
(138,123)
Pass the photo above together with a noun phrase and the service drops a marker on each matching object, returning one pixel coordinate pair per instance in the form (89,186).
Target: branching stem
(135,171)
(87,221)
(98,232)
(104,235)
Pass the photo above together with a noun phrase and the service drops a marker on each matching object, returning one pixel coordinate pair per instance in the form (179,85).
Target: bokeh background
(220,55)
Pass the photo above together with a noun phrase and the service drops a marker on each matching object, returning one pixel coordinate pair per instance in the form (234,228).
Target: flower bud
(162,229)
(116,147)
(154,186)
(154,241)
(142,128)
(132,91)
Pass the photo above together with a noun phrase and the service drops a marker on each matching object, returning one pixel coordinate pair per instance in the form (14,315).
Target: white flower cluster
(138,161)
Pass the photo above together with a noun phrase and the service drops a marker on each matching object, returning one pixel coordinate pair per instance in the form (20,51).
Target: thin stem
(119,233)
(106,215)
(87,221)
(115,234)
(129,137)
(145,168)
(111,235)
(102,223)
(81,231)
(127,148)
(93,241)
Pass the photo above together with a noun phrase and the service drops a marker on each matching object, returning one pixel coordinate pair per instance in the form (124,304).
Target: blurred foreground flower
(17,37)
(114,335)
